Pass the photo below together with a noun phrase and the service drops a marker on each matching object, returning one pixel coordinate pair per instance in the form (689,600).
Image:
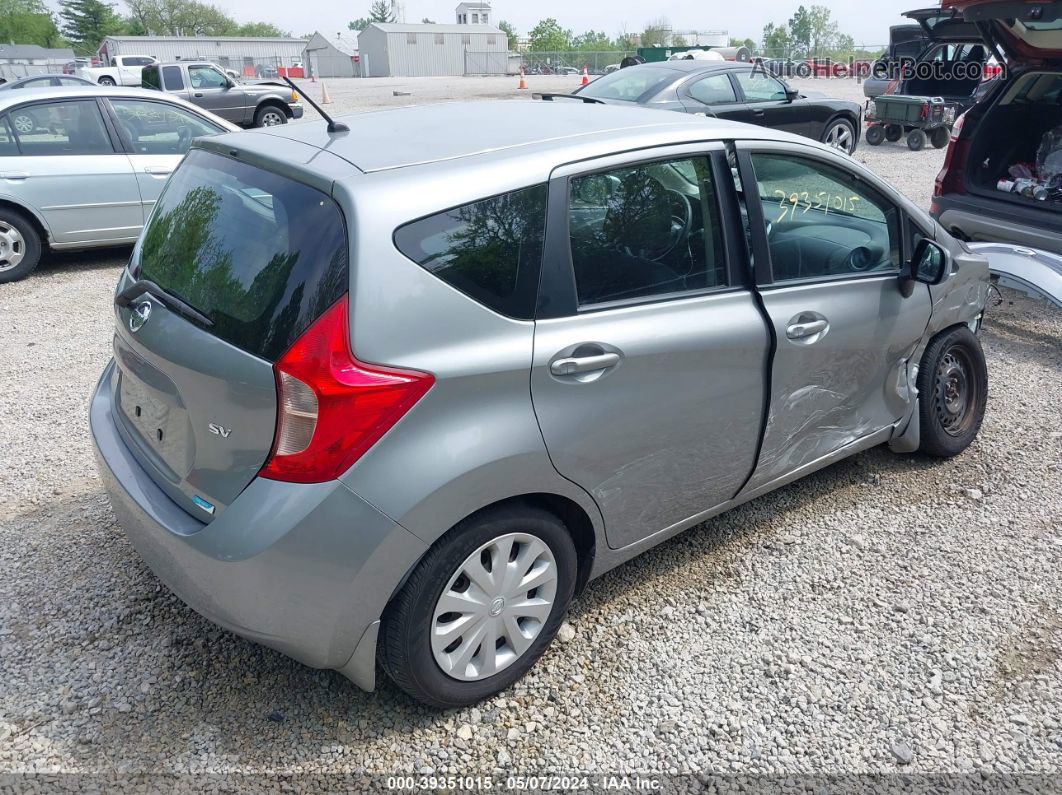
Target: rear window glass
(490,250)
(261,255)
(631,83)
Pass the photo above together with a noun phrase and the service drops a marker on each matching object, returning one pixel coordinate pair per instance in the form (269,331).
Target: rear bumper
(306,569)
(986,221)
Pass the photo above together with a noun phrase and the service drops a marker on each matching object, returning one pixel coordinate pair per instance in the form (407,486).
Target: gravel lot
(887,614)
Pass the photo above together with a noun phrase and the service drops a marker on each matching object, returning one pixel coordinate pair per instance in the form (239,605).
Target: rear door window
(61,128)
(261,255)
(491,250)
(713,90)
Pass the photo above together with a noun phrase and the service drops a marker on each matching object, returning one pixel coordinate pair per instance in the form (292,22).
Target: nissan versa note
(397,394)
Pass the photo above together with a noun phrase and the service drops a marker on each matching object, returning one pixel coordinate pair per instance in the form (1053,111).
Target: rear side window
(261,255)
(491,250)
(7,139)
(61,128)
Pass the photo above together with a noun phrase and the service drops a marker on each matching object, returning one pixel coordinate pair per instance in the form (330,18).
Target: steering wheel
(681,221)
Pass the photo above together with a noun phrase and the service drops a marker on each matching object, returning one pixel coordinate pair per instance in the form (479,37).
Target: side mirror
(791,94)
(929,265)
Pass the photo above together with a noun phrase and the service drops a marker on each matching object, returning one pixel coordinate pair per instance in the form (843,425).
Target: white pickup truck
(124,70)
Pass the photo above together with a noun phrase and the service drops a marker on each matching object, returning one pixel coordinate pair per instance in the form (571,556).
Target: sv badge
(219,430)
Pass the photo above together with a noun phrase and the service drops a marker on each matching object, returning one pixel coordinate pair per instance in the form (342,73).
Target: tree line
(83,24)
(810,32)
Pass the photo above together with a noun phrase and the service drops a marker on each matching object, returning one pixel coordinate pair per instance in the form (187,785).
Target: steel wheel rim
(494,607)
(12,247)
(271,119)
(839,137)
(956,392)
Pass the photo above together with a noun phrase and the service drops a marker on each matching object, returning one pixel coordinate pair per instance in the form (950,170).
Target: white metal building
(473,13)
(335,56)
(34,54)
(389,49)
(232,52)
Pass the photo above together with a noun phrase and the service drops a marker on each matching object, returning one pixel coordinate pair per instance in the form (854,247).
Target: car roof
(11,98)
(498,129)
(694,65)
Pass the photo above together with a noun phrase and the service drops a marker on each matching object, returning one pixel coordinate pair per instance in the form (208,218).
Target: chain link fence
(543,63)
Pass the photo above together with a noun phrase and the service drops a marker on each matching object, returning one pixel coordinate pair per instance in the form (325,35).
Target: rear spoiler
(547,97)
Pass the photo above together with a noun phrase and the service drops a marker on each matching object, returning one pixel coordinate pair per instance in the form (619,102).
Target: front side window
(823,221)
(645,230)
(61,128)
(491,250)
(157,128)
(713,90)
(760,87)
(206,77)
(172,78)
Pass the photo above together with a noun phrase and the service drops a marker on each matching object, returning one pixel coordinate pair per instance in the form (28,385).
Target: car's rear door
(829,247)
(71,169)
(650,354)
(155,135)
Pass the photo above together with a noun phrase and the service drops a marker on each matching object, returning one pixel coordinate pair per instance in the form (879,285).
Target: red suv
(1002,179)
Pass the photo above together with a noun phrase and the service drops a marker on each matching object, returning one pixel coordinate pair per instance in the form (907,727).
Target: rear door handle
(799,331)
(157,171)
(584,364)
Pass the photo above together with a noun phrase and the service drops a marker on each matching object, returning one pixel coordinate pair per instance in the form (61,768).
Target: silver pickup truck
(204,84)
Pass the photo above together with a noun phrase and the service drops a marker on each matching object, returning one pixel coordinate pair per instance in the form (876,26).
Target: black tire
(940,137)
(405,650)
(893,132)
(875,135)
(844,128)
(28,245)
(916,140)
(952,392)
(107,81)
(269,116)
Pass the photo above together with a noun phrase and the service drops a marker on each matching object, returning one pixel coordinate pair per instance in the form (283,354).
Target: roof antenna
(333,125)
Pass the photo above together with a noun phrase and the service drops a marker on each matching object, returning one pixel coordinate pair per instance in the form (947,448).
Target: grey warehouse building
(391,49)
(241,54)
(332,57)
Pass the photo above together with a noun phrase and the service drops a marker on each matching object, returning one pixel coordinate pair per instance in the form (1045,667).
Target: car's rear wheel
(107,81)
(480,607)
(893,132)
(269,116)
(940,137)
(953,392)
(20,246)
(916,140)
(875,135)
(840,134)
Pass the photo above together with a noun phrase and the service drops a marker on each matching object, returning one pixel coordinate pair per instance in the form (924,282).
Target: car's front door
(70,171)
(650,354)
(211,89)
(828,248)
(765,97)
(156,134)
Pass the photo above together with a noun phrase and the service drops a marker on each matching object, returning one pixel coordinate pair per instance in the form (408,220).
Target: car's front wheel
(20,246)
(840,134)
(107,81)
(269,116)
(480,607)
(952,392)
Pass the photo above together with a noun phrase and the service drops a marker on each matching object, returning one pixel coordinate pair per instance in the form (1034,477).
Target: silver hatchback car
(397,394)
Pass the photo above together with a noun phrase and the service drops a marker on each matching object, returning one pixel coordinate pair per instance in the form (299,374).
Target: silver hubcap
(840,137)
(271,119)
(12,247)
(494,606)
(24,123)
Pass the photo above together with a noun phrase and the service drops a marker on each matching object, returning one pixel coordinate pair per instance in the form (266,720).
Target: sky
(867,21)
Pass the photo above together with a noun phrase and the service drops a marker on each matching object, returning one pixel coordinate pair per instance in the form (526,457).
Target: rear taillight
(331,408)
(952,176)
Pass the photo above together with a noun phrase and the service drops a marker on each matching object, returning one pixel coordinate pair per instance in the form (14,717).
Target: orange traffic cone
(523,82)
(586,77)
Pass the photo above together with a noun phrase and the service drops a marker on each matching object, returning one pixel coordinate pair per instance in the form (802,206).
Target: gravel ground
(887,614)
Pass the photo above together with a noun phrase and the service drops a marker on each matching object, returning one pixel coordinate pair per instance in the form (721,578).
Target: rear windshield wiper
(169,300)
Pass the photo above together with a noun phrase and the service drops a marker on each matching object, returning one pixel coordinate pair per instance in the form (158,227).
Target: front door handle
(584,364)
(799,331)
(14,174)
(157,171)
